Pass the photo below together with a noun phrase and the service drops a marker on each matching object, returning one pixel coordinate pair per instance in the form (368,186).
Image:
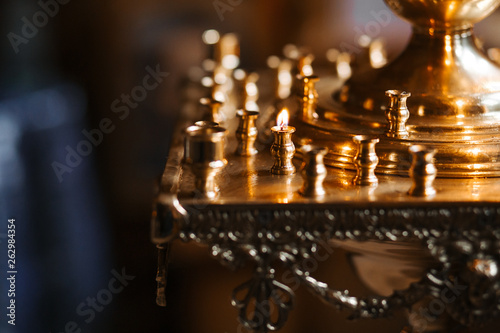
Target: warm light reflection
(421,110)
(475,151)
(282,120)
(475,190)
(346,149)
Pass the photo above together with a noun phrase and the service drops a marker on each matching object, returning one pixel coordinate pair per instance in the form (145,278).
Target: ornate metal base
(446,232)
(261,217)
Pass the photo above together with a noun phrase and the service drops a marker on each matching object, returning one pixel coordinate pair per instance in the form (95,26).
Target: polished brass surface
(247,182)
(246,132)
(313,171)
(422,172)
(455,103)
(204,155)
(283,150)
(366,160)
(397,114)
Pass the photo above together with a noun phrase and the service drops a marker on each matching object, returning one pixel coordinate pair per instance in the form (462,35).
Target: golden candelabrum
(400,158)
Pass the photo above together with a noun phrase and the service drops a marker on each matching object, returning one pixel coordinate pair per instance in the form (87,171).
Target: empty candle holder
(366,160)
(397,114)
(422,171)
(204,155)
(313,171)
(246,134)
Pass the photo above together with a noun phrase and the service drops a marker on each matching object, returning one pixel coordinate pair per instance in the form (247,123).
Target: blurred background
(82,210)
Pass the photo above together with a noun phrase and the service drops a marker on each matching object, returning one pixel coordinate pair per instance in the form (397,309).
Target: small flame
(282,120)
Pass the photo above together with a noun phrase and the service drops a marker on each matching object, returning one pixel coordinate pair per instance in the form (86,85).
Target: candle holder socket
(246,134)
(313,171)
(283,150)
(397,114)
(204,155)
(366,160)
(422,171)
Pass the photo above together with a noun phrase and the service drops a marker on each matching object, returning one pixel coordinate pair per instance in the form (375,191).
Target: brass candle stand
(246,134)
(313,171)
(204,155)
(422,171)
(448,229)
(366,160)
(283,150)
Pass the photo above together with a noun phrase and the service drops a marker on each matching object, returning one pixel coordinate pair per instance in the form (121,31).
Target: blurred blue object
(62,256)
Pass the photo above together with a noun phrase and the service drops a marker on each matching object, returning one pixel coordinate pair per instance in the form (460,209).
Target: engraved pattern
(465,241)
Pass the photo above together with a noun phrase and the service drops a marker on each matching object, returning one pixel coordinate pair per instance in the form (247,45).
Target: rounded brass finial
(397,114)
(422,171)
(366,160)
(313,171)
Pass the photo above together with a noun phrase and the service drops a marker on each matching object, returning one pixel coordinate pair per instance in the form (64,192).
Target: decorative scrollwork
(471,257)
(465,242)
(372,307)
(270,299)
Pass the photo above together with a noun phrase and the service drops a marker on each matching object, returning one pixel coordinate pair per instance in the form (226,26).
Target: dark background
(72,234)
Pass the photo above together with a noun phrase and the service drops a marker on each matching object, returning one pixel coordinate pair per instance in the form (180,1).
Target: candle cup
(422,171)
(397,114)
(283,150)
(366,161)
(313,171)
(204,155)
(247,133)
